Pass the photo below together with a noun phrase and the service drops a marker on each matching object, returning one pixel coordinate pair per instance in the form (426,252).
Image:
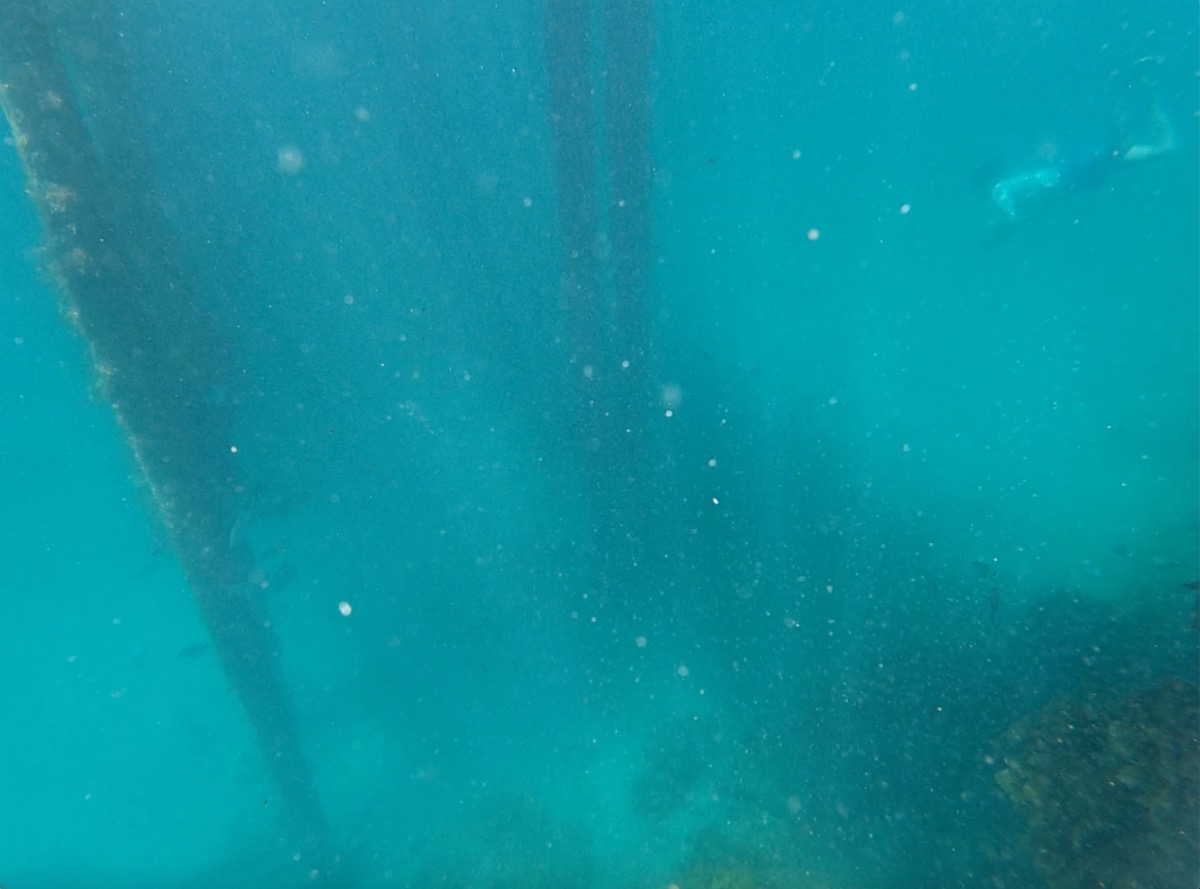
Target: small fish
(1193,586)
(200,649)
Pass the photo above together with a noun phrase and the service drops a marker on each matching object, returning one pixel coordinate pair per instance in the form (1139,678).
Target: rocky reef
(1109,788)
(506,840)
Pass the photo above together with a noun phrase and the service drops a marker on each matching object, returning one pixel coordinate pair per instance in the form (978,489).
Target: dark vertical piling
(604,231)
(166,368)
(627,105)
(566,42)
(627,138)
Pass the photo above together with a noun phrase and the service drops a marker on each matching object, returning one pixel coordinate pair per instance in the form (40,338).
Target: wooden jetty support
(165,365)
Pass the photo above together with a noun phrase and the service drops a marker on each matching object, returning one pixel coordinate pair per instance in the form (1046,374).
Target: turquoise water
(909,473)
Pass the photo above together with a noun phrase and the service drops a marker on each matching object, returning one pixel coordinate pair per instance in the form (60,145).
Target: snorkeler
(1143,131)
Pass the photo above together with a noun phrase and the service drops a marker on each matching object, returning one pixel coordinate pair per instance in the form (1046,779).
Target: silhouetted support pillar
(570,96)
(606,259)
(164,364)
(627,124)
(627,44)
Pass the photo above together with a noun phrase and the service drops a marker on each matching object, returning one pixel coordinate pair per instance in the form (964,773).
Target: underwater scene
(615,445)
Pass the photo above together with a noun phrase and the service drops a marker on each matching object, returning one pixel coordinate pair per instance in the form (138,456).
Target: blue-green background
(928,473)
